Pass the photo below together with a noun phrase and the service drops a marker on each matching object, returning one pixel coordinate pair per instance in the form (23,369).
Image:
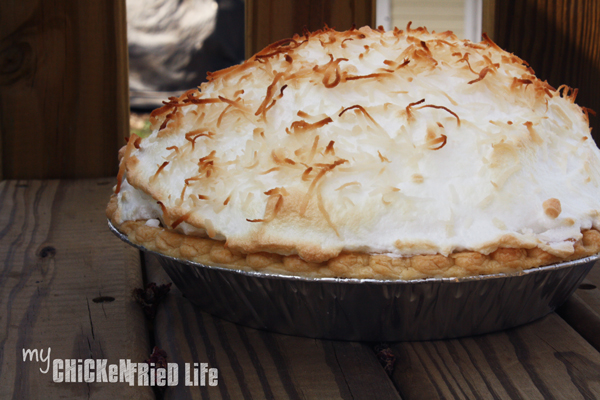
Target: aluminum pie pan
(371,309)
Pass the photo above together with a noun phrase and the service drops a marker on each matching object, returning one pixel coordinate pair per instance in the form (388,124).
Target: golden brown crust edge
(348,265)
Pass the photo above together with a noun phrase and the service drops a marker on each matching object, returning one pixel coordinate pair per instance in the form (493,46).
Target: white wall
(463,17)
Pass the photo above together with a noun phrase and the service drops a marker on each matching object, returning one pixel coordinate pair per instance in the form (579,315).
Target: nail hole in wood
(587,286)
(103,299)
(48,251)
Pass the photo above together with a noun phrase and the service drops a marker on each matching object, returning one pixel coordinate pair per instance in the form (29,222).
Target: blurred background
(174,43)
(76,77)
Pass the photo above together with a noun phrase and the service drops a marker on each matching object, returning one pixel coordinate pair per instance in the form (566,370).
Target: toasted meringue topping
(399,143)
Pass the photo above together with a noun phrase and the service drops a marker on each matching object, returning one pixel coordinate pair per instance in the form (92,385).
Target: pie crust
(348,265)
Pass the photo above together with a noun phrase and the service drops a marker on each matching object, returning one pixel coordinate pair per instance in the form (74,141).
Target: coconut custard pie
(367,154)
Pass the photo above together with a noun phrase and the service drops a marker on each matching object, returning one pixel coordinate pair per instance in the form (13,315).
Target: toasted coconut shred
(312,148)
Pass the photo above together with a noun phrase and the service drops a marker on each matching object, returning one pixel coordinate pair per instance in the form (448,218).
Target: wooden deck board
(582,310)
(63,88)
(58,256)
(542,360)
(259,364)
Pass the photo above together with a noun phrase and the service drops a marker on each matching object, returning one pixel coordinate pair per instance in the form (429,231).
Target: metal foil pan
(375,310)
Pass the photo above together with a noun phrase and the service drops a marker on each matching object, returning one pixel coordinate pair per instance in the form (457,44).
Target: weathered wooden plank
(270,20)
(258,364)
(61,268)
(589,292)
(582,310)
(594,276)
(542,360)
(488,18)
(63,87)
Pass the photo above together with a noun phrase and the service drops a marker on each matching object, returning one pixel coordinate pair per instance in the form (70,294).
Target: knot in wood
(15,62)
(47,251)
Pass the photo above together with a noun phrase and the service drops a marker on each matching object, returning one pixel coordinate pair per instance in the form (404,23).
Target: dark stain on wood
(103,299)
(587,286)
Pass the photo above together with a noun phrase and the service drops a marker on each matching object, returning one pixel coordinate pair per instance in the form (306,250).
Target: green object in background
(140,124)
(143,132)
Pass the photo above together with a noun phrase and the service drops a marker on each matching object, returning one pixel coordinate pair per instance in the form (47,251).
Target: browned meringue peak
(398,142)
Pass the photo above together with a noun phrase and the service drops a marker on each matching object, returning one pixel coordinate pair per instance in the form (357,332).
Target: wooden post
(270,20)
(561,41)
(64,98)
(488,18)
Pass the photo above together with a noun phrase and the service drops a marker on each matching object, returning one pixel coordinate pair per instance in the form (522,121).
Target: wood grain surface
(270,20)
(64,99)
(488,18)
(546,359)
(561,41)
(258,364)
(582,310)
(59,260)
(61,268)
